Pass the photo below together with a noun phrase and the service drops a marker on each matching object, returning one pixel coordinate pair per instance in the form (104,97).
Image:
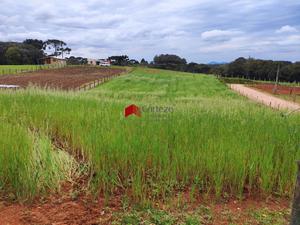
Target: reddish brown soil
(264,97)
(282,90)
(63,209)
(63,78)
(67,208)
(239,210)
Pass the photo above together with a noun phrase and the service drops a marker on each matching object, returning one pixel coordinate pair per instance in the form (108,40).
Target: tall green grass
(29,165)
(14,69)
(213,142)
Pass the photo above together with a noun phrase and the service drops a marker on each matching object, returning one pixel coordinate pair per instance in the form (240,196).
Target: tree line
(31,51)
(118,60)
(250,68)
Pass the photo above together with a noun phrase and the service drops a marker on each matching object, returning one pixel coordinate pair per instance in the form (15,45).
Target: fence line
(31,68)
(85,86)
(95,83)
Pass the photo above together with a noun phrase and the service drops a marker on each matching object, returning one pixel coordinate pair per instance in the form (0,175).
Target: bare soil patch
(68,207)
(281,89)
(65,208)
(63,78)
(264,98)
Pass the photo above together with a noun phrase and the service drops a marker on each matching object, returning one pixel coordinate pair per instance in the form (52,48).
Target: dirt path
(264,98)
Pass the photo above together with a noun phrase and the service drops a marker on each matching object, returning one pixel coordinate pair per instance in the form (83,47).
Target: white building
(92,62)
(99,62)
(104,62)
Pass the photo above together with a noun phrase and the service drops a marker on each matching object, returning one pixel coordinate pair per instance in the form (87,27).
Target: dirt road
(264,98)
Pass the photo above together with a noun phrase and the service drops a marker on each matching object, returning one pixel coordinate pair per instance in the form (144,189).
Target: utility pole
(248,67)
(276,83)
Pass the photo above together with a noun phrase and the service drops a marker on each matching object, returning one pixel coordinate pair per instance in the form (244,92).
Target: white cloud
(291,40)
(144,28)
(215,34)
(256,44)
(287,29)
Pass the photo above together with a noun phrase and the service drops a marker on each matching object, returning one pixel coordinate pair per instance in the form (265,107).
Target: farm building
(93,62)
(99,62)
(53,60)
(104,62)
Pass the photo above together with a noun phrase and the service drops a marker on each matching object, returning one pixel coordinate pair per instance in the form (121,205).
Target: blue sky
(198,30)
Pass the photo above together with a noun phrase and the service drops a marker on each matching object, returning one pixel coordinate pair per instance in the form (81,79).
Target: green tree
(13,56)
(144,62)
(295,72)
(171,62)
(38,44)
(133,62)
(57,47)
(76,60)
(65,50)
(198,68)
(121,60)
(2,52)
(238,67)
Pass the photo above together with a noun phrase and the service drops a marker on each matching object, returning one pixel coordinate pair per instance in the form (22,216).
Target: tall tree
(172,62)
(38,44)
(3,47)
(120,60)
(238,67)
(76,60)
(65,50)
(133,62)
(13,56)
(57,47)
(144,62)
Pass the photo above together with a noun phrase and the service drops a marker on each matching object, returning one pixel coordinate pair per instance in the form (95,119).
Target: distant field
(13,69)
(67,78)
(285,91)
(236,80)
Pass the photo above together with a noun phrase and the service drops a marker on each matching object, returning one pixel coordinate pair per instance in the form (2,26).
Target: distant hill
(216,63)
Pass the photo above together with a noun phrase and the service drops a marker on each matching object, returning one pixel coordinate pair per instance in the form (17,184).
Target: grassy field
(194,135)
(290,98)
(13,69)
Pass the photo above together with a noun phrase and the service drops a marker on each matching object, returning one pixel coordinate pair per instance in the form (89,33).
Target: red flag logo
(132,110)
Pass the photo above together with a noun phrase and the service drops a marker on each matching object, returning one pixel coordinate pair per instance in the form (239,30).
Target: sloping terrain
(63,78)
(195,142)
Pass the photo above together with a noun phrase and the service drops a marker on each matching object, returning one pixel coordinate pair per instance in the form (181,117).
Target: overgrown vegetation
(21,53)
(211,142)
(31,51)
(257,69)
(29,164)
(201,215)
(253,69)
(238,80)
